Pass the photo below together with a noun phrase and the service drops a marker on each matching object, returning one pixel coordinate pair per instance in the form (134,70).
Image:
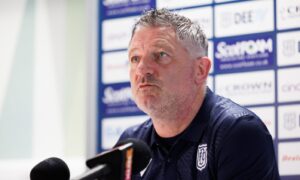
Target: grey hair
(189,33)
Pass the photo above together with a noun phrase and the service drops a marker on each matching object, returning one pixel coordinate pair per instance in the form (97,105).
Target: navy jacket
(224,141)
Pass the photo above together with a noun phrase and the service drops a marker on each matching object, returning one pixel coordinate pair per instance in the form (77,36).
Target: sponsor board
(289,158)
(288,85)
(203,16)
(218,1)
(115,8)
(288,48)
(114,37)
(210,82)
(211,55)
(244,18)
(289,121)
(112,128)
(267,115)
(247,88)
(244,52)
(174,4)
(288,14)
(117,100)
(115,67)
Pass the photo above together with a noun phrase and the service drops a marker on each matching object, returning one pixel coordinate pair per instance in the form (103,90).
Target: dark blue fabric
(239,146)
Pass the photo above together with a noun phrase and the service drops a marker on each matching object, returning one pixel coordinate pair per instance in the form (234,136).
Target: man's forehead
(156,36)
(143,32)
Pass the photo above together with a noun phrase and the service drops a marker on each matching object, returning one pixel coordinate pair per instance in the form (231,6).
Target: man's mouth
(143,86)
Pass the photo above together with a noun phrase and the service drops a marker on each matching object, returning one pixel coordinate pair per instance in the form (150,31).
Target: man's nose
(145,66)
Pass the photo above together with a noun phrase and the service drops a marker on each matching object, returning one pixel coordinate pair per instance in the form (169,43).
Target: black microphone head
(141,154)
(50,169)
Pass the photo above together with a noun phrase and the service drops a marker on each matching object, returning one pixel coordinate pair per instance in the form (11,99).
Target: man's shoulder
(226,112)
(226,115)
(139,131)
(230,120)
(240,140)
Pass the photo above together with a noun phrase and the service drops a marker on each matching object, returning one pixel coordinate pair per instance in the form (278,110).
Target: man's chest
(186,161)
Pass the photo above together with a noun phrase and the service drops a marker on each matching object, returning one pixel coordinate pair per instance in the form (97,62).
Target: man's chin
(148,103)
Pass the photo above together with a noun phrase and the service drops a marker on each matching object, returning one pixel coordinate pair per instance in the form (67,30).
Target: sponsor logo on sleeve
(244,53)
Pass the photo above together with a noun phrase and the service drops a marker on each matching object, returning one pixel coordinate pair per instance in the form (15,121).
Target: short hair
(188,32)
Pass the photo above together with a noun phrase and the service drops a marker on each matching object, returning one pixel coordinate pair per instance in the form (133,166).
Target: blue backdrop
(255,50)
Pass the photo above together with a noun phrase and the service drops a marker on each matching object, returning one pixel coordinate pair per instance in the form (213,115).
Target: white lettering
(114,2)
(249,47)
(244,17)
(112,96)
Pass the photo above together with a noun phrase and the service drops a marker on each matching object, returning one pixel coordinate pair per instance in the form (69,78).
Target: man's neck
(179,120)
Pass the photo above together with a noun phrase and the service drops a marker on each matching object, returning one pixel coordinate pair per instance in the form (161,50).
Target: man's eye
(163,58)
(134,59)
(162,54)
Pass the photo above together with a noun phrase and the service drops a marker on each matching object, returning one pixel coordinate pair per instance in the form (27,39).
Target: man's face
(162,73)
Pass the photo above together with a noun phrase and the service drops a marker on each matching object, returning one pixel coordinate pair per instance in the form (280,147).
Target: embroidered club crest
(201,157)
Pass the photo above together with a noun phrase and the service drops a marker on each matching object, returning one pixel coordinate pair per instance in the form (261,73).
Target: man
(192,133)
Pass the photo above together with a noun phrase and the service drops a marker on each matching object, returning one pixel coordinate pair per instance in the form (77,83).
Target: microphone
(50,169)
(129,156)
(142,154)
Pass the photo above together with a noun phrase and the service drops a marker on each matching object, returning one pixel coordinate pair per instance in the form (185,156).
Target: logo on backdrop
(290,12)
(245,88)
(290,120)
(115,8)
(291,87)
(114,37)
(289,47)
(117,100)
(291,158)
(244,17)
(201,157)
(244,52)
(115,66)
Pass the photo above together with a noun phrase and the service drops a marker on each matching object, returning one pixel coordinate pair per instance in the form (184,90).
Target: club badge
(201,157)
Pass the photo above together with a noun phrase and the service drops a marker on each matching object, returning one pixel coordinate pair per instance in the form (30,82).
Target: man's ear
(203,65)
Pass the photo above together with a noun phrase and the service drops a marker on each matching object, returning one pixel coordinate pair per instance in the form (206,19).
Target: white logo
(289,47)
(244,18)
(247,88)
(242,48)
(201,157)
(290,120)
(117,96)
